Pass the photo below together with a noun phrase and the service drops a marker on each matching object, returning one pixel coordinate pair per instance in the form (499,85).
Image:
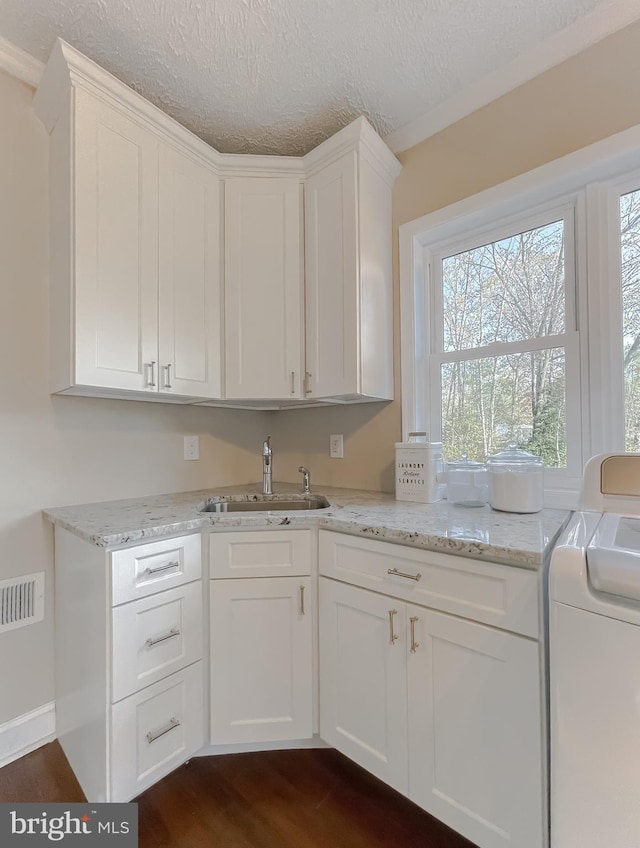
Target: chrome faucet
(267,462)
(306,480)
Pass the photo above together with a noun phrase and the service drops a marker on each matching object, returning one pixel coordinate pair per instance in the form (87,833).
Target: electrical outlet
(336,446)
(192,447)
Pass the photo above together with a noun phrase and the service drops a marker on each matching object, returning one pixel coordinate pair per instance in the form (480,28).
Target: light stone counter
(480,533)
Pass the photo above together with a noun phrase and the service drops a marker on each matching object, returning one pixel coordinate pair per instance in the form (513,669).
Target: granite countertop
(480,532)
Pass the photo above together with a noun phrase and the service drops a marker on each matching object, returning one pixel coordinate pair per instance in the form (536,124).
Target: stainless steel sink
(268,503)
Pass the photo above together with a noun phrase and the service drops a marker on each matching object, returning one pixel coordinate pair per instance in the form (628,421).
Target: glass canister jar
(467,483)
(516,481)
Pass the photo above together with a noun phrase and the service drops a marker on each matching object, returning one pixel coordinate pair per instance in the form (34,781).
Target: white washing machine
(594,639)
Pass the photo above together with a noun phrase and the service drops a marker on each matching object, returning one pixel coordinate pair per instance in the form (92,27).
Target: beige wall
(589,97)
(59,450)
(67,450)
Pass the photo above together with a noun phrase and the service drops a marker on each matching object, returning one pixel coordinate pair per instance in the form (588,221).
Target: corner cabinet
(136,254)
(140,269)
(348,271)
(261,634)
(263,288)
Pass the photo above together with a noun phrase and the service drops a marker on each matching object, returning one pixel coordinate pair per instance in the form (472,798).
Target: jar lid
(514,456)
(465,464)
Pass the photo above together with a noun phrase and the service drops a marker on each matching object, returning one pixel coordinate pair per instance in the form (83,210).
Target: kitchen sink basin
(268,503)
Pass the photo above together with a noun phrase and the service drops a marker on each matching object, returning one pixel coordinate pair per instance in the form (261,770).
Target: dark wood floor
(274,799)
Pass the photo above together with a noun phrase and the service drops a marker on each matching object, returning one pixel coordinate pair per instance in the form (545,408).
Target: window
(521,315)
(630,280)
(499,344)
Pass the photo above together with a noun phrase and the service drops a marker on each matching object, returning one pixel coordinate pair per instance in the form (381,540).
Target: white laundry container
(418,464)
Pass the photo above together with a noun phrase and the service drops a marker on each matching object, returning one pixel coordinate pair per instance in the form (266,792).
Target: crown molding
(19,63)
(610,16)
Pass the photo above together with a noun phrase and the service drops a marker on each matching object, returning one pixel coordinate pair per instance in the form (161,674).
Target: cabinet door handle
(152,375)
(302,612)
(392,636)
(173,632)
(162,567)
(414,644)
(167,382)
(307,377)
(173,723)
(397,573)
(293,382)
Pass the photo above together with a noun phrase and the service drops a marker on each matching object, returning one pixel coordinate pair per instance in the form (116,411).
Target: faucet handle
(306,480)
(266,446)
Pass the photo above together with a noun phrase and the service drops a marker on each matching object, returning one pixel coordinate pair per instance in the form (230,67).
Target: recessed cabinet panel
(263,296)
(189,277)
(363,679)
(475,729)
(116,247)
(261,662)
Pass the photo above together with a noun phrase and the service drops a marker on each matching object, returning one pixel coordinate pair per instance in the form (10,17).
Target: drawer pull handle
(397,573)
(173,632)
(302,612)
(414,644)
(173,723)
(159,568)
(392,636)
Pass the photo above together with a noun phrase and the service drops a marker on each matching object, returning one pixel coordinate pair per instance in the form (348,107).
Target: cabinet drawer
(145,569)
(274,553)
(154,731)
(499,595)
(154,637)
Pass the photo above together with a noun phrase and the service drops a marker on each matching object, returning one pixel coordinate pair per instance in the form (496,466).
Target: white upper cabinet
(189,277)
(263,288)
(348,271)
(135,242)
(140,269)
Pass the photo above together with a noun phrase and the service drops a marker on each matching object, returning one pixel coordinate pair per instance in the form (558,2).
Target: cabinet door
(363,679)
(263,296)
(189,277)
(261,661)
(331,282)
(475,732)
(116,249)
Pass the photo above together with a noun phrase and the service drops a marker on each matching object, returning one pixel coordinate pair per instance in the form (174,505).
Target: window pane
(630,242)
(487,403)
(509,290)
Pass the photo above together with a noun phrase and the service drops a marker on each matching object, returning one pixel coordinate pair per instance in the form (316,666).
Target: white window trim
(593,178)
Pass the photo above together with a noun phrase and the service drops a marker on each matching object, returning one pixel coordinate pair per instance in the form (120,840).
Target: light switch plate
(192,447)
(336,446)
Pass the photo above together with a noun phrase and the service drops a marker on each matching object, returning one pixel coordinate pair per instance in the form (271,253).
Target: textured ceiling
(279,76)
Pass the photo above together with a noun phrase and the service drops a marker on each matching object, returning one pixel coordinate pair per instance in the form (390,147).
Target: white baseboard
(27,732)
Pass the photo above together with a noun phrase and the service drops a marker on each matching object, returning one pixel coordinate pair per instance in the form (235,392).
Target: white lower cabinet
(129,671)
(445,710)
(261,628)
